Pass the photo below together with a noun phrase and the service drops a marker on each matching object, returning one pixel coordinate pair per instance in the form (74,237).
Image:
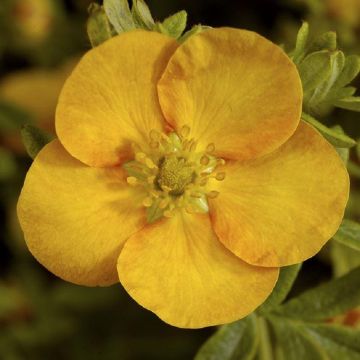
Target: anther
(193,146)
(154,135)
(213,194)
(140,156)
(164,203)
(210,148)
(154,144)
(220,161)
(184,131)
(151,179)
(150,164)
(204,160)
(147,202)
(220,176)
(131,180)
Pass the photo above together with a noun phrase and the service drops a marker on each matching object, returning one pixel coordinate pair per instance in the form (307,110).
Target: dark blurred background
(42,317)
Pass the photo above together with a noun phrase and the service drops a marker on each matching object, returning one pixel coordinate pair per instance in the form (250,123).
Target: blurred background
(42,317)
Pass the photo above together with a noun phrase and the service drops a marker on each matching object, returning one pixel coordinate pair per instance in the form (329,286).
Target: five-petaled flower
(185,172)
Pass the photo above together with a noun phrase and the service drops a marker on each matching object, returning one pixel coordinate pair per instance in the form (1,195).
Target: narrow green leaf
(34,139)
(97,26)
(326,41)
(349,234)
(175,24)
(339,342)
(12,117)
(238,340)
(119,15)
(301,40)
(343,258)
(336,138)
(294,342)
(340,93)
(314,69)
(142,14)
(350,103)
(350,71)
(284,284)
(325,301)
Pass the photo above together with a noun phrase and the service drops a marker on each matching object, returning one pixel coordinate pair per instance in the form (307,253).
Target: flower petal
(110,100)
(178,269)
(282,208)
(76,218)
(233,88)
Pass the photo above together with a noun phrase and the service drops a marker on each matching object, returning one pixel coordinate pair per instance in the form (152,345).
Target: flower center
(174,174)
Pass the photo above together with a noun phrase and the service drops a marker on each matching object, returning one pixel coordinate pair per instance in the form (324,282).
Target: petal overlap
(178,269)
(110,100)
(282,208)
(233,88)
(76,218)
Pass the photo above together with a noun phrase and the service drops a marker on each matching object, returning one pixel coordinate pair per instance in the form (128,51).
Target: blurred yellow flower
(347,11)
(185,172)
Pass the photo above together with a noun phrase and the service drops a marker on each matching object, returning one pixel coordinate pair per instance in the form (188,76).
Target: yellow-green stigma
(174,174)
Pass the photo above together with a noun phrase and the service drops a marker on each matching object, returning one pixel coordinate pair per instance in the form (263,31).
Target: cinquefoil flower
(185,172)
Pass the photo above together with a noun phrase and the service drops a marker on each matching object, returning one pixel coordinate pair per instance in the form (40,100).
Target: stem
(265,347)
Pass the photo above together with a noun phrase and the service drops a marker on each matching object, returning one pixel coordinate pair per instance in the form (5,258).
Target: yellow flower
(187,169)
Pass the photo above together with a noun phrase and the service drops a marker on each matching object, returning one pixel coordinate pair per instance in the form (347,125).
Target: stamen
(140,156)
(184,131)
(154,144)
(220,176)
(164,203)
(168,213)
(210,148)
(154,135)
(147,202)
(150,164)
(213,194)
(131,180)
(204,160)
(151,179)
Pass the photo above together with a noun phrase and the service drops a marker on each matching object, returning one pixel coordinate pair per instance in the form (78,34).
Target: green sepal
(325,301)
(350,103)
(349,234)
(314,69)
(119,15)
(350,71)
(34,139)
(154,213)
(142,15)
(301,40)
(174,25)
(238,340)
(334,136)
(12,117)
(98,26)
(283,286)
(196,29)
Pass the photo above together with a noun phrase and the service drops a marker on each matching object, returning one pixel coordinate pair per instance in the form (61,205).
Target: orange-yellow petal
(110,100)
(233,88)
(76,218)
(178,269)
(282,208)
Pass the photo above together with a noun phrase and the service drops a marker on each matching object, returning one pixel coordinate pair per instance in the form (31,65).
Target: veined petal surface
(76,218)
(110,100)
(178,269)
(233,88)
(282,208)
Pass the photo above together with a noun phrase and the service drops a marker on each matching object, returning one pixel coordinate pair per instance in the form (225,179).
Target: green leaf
(97,26)
(343,258)
(336,138)
(350,71)
(284,284)
(349,234)
(301,40)
(339,342)
(34,139)
(295,343)
(174,25)
(12,117)
(234,341)
(350,103)
(119,15)
(327,300)
(142,14)
(340,93)
(326,41)
(314,69)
